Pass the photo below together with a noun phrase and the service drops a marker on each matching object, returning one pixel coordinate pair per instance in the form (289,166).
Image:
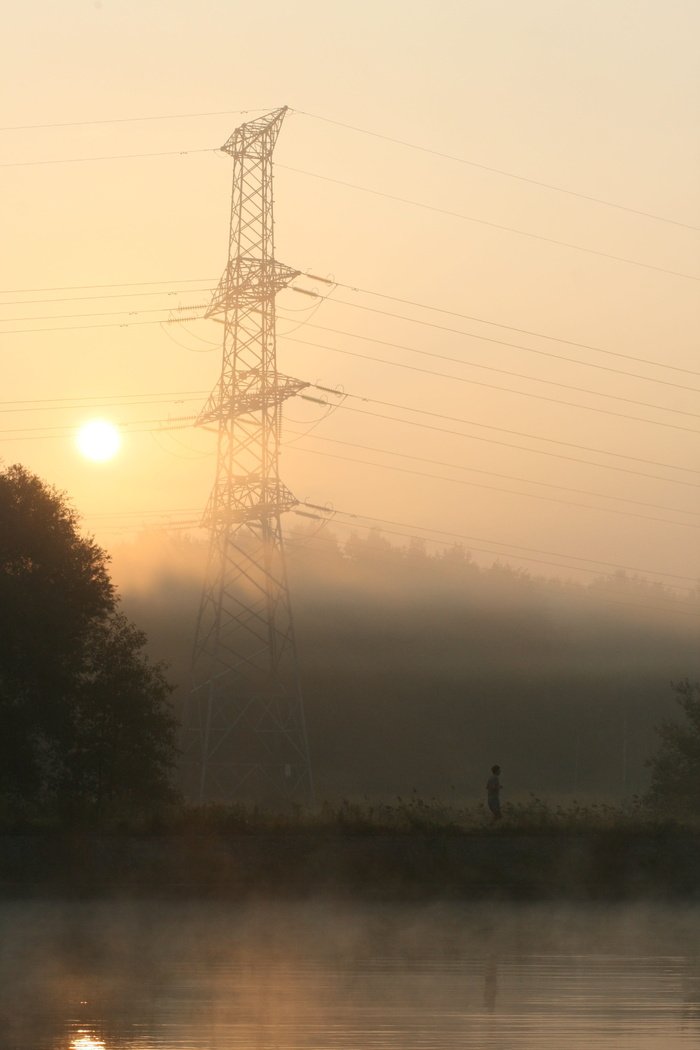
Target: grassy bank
(400,816)
(411,849)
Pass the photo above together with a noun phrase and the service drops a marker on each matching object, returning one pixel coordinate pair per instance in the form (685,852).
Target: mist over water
(118,975)
(506,195)
(420,671)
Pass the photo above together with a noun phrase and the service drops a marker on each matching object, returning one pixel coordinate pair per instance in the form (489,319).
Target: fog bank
(419,671)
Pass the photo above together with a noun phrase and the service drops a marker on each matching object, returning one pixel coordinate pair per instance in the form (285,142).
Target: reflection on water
(156,976)
(490,985)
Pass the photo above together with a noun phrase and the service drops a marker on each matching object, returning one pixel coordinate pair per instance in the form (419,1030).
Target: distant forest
(422,670)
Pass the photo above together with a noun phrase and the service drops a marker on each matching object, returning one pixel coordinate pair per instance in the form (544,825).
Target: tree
(675,769)
(84,716)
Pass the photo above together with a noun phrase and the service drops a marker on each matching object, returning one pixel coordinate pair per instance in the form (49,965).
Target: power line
(92,298)
(651,599)
(408,302)
(456,419)
(208,349)
(101,397)
(499,171)
(128,120)
(587,593)
(377,193)
(89,327)
(460,536)
(491,386)
(36,433)
(512,328)
(460,379)
(555,455)
(338,350)
(188,395)
(644,601)
(123,284)
(510,492)
(115,156)
(81,404)
(647,601)
(513,551)
(110,313)
(486,426)
(139,513)
(360,306)
(491,225)
(489,473)
(129,324)
(492,368)
(536,437)
(180,422)
(541,397)
(363,131)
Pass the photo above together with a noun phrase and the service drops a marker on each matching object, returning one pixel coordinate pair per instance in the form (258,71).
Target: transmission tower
(245,735)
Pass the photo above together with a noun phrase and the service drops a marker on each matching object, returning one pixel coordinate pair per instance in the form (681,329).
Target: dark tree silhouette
(675,769)
(84,717)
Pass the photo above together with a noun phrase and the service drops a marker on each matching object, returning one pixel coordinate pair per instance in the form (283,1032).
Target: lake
(101,976)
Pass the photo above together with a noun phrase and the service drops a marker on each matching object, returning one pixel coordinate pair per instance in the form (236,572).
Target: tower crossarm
(247,281)
(256,138)
(249,498)
(253,391)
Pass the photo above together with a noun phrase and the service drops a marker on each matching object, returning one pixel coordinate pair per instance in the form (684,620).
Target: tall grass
(352,817)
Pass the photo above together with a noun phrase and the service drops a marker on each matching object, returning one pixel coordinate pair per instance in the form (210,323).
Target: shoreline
(302,865)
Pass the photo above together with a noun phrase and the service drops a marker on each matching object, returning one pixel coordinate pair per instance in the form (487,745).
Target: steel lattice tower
(245,735)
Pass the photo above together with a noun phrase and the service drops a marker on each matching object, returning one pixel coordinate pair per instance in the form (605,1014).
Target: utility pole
(244,727)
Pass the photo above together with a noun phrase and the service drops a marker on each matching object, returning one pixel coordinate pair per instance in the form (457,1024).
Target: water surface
(86,976)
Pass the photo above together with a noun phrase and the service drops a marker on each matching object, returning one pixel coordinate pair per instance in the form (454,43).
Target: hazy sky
(597,98)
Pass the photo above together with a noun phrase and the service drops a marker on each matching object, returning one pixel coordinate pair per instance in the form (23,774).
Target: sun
(98,439)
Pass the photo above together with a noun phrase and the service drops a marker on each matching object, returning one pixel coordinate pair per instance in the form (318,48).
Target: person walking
(493,791)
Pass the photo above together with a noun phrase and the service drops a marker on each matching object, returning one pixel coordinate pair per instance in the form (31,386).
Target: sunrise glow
(98,440)
(87,1042)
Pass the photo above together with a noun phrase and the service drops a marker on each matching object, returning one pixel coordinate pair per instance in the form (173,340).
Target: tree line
(86,718)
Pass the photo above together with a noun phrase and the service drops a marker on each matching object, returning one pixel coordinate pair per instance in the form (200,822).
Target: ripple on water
(141,976)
